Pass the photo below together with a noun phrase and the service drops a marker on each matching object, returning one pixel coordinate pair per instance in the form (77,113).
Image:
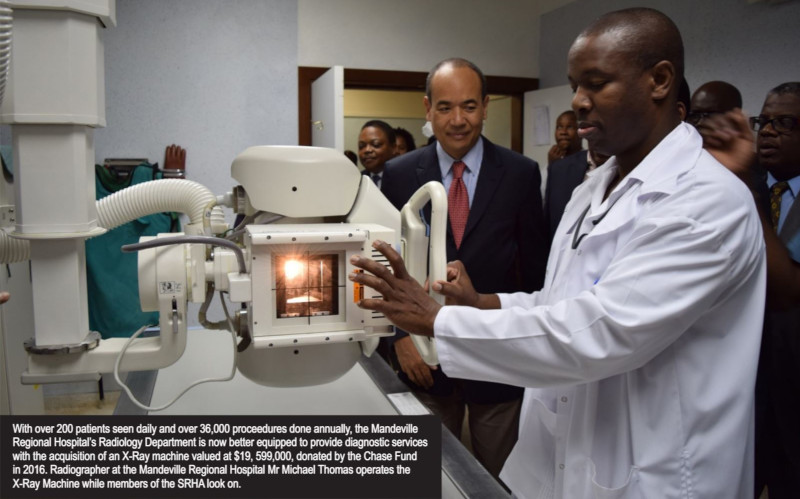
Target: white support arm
(421,263)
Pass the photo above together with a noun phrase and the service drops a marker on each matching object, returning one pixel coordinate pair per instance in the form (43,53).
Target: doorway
(509,89)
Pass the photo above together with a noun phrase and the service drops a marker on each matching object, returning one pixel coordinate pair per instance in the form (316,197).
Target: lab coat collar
(673,157)
(657,173)
(682,146)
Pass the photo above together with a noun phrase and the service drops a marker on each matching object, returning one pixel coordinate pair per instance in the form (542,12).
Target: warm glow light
(292,268)
(303,299)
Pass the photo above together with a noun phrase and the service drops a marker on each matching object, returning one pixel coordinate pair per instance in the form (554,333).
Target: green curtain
(112,276)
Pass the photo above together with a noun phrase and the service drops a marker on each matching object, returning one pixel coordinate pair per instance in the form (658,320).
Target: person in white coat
(639,355)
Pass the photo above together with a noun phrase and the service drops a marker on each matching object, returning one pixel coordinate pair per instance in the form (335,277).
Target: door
(327,110)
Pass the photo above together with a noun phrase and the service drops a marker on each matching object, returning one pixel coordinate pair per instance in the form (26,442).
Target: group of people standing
(627,365)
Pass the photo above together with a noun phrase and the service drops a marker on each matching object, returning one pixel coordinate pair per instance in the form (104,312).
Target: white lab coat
(640,352)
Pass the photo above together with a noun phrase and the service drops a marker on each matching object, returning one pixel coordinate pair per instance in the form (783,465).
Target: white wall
(214,77)
(501,37)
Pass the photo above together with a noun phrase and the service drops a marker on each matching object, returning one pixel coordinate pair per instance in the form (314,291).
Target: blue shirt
(472,160)
(788,197)
(787,200)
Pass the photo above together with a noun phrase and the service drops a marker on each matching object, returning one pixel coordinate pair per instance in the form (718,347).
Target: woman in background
(405,141)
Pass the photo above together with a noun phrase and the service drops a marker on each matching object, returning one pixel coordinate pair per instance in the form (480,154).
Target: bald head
(647,35)
(625,70)
(716,97)
(455,62)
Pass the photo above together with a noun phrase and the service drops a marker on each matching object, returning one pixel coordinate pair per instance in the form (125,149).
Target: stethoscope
(577,237)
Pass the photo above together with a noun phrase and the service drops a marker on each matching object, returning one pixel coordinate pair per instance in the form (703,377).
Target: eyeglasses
(783,124)
(695,118)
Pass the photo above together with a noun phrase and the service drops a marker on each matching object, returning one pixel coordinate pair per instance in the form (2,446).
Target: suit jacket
(563,176)
(504,247)
(790,232)
(778,380)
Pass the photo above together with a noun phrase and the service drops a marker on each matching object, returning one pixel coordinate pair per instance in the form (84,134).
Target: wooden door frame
(514,87)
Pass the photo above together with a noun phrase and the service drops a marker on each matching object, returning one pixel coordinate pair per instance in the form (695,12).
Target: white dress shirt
(639,354)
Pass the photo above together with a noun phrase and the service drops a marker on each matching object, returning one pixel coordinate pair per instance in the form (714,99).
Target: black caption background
(221,456)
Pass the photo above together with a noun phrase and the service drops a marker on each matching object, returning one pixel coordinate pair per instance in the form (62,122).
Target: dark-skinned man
(639,355)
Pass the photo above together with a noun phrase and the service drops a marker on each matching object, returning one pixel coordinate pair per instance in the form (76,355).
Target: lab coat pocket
(628,490)
(541,413)
(532,464)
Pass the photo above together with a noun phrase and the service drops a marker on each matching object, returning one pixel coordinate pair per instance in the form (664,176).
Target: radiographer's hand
(405,303)
(411,362)
(4,296)
(458,290)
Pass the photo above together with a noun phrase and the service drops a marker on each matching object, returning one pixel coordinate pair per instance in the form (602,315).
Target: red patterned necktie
(775,202)
(458,203)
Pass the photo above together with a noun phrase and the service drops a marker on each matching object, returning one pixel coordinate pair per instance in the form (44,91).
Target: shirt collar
(794,183)
(590,161)
(472,159)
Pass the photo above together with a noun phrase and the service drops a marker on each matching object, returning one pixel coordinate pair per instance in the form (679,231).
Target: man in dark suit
(495,228)
(778,384)
(563,176)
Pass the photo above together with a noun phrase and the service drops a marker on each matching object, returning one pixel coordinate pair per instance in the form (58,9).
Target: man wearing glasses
(639,355)
(778,142)
(777,152)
